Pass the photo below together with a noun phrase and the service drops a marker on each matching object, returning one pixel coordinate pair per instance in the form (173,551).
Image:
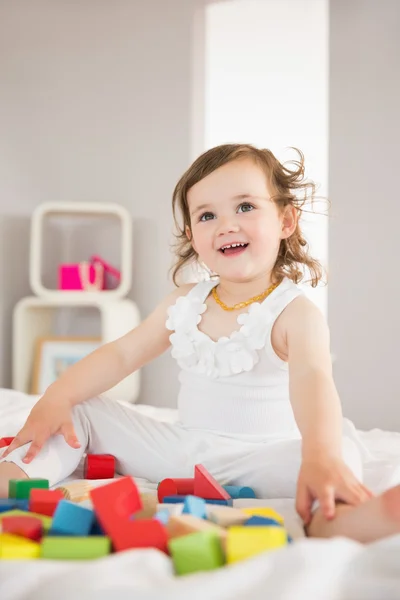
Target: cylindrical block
(99,466)
(175,487)
(237,491)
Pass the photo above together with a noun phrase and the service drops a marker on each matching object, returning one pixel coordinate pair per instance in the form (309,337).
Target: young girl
(257,402)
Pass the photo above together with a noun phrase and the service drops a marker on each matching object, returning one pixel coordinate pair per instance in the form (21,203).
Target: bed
(337,569)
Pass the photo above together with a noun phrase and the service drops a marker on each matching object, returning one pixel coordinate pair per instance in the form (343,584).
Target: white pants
(153,450)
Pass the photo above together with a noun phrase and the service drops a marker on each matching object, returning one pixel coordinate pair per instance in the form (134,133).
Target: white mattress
(308,569)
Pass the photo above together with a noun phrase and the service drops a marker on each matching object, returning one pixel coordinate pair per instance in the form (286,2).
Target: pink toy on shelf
(86,276)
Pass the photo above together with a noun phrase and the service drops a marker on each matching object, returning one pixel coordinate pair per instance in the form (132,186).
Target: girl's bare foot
(376,518)
(9,470)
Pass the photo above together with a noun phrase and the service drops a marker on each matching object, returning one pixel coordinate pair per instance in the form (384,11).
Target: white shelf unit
(33,318)
(80,209)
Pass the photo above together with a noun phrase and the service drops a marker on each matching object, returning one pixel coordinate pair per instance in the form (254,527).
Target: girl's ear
(289,221)
(190,237)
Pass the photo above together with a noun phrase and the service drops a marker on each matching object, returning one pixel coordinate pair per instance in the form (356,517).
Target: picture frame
(53,355)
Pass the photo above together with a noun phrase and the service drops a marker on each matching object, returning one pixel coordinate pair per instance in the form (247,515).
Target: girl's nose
(227,225)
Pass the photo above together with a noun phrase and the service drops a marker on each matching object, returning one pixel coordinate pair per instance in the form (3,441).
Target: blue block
(162,516)
(177,499)
(193,505)
(22,504)
(237,491)
(256,521)
(289,539)
(6,504)
(96,529)
(220,502)
(71,519)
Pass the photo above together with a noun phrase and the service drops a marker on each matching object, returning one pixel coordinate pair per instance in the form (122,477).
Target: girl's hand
(327,478)
(46,418)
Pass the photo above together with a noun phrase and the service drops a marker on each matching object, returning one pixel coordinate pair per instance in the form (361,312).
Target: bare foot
(375,519)
(9,470)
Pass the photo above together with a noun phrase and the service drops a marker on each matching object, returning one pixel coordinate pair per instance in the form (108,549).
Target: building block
(96,528)
(205,486)
(226,516)
(21,488)
(22,504)
(193,505)
(264,511)
(114,504)
(196,552)
(15,547)
(77,491)
(262,521)
(237,491)
(75,548)
(149,502)
(181,499)
(71,519)
(28,527)
(162,515)
(99,466)
(174,487)
(46,521)
(5,441)
(147,533)
(44,502)
(180,525)
(243,542)
(6,504)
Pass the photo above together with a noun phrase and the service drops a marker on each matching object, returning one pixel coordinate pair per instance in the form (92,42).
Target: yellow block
(264,511)
(15,547)
(244,542)
(46,521)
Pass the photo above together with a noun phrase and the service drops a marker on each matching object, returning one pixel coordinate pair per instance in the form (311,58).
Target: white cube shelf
(94,209)
(33,319)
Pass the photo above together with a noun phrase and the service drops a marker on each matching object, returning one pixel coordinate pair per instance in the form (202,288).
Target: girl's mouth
(233,249)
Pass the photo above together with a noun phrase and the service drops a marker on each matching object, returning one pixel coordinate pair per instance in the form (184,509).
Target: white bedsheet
(308,569)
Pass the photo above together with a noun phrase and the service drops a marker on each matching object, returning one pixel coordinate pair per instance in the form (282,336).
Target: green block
(21,488)
(75,548)
(46,521)
(200,551)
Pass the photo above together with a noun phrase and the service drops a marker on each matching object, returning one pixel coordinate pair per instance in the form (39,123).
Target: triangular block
(205,486)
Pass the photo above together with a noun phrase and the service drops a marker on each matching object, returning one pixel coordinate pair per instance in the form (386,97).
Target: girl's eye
(245,207)
(206,216)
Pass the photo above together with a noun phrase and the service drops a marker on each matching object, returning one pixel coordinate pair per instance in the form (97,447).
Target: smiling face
(236,228)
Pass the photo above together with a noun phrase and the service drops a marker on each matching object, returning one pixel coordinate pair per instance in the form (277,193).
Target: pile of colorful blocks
(207,533)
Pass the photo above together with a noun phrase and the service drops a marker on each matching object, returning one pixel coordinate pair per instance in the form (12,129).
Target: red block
(44,502)
(99,466)
(5,441)
(114,504)
(147,533)
(175,487)
(28,527)
(205,486)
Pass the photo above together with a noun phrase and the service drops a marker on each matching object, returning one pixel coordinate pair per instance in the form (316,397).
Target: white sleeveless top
(238,384)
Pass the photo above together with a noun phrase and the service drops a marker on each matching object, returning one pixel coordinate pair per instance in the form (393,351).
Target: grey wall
(96,104)
(364,294)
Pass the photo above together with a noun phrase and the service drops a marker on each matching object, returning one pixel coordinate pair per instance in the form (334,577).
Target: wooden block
(181,499)
(147,533)
(46,521)
(28,527)
(21,488)
(195,506)
(99,466)
(237,491)
(44,502)
(5,441)
(149,502)
(16,547)
(163,516)
(200,551)
(255,520)
(6,504)
(71,519)
(225,516)
(174,487)
(263,511)
(181,525)
(77,491)
(206,486)
(243,542)
(114,504)
(75,548)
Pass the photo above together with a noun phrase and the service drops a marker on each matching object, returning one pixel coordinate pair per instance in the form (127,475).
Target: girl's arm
(109,364)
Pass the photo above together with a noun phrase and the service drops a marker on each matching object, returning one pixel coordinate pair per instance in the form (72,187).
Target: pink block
(81,276)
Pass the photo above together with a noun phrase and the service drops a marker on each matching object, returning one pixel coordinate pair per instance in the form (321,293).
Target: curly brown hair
(288,185)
